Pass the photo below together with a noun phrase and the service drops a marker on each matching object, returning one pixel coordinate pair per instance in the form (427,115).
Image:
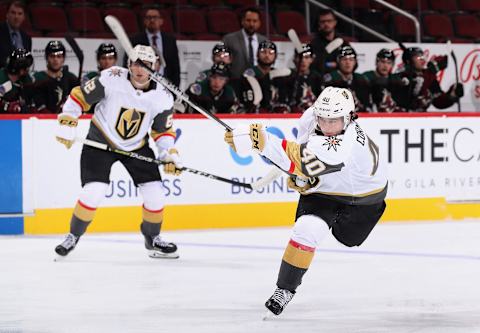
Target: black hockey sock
(150,229)
(77,226)
(289,276)
(296,260)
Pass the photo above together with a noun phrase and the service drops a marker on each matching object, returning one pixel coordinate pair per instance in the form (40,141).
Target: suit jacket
(170,54)
(6,47)
(236,43)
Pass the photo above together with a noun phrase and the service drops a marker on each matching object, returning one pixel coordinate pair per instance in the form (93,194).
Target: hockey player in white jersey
(339,173)
(129,105)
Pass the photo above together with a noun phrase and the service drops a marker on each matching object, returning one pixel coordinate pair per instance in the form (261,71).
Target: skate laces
(282,296)
(158,241)
(70,241)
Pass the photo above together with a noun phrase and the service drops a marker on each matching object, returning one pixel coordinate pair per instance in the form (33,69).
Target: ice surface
(407,277)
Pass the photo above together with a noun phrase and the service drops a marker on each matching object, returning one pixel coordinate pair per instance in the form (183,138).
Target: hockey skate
(158,248)
(67,245)
(279,300)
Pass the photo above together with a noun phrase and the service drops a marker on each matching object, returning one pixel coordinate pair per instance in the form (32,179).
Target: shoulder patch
(201,76)
(249,72)
(114,71)
(196,89)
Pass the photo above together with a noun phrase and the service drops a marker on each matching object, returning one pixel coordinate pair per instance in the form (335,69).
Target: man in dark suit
(165,45)
(244,43)
(11,37)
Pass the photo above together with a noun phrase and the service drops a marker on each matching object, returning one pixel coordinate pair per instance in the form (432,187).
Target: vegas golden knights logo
(129,122)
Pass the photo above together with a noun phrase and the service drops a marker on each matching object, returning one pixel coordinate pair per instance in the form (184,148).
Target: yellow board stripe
(128,219)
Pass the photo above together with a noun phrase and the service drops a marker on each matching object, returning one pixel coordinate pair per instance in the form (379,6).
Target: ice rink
(407,277)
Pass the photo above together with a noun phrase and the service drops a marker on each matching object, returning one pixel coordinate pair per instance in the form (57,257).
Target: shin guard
(295,262)
(82,216)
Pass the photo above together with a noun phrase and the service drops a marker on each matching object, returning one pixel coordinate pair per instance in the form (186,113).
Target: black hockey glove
(437,64)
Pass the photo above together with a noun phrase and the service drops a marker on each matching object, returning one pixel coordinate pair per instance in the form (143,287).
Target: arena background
(434,159)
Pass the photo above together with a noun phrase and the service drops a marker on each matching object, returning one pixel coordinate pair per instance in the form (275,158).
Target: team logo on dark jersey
(332,142)
(129,122)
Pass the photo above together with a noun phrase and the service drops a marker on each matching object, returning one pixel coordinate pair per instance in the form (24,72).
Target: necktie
(250,50)
(154,42)
(15,39)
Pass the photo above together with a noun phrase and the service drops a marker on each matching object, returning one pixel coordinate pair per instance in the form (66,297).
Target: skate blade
(160,255)
(269,315)
(59,258)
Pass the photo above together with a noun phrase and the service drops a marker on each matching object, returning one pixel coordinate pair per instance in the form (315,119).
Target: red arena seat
(438,26)
(291,20)
(190,21)
(467,26)
(48,19)
(85,19)
(126,16)
(221,21)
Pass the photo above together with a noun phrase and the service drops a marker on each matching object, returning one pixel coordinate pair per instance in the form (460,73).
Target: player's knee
(93,193)
(309,230)
(153,195)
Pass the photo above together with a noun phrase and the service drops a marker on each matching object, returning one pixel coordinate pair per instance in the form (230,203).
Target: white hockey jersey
(346,167)
(124,115)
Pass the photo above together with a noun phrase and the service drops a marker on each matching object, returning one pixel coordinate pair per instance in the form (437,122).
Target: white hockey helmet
(335,102)
(143,53)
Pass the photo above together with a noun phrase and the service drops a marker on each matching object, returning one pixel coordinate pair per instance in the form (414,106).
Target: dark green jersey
(382,90)
(357,84)
(17,91)
(52,92)
(89,76)
(223,102)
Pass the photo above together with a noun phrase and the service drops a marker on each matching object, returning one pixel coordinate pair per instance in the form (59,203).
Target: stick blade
(117,29)
(292,35)
(267,179)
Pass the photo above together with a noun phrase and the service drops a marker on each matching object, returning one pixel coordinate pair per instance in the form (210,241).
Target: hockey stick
(5,88)
(259,184)
(292,34)
(257,91)
(454,58)
(78,53)
(123,39)
(334,44)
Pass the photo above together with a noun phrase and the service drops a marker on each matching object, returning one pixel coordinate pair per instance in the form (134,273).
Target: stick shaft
(103,146)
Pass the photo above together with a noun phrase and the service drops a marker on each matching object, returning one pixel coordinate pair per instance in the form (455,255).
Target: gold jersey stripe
(77,95)
(156,135)
(152,216)
(292,149)
(361,195)
(83,212)
(298,257)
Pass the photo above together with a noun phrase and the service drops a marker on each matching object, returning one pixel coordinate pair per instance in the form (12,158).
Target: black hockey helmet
(409,53)
(386,54)
(220,47)
(54,47)
(221,69)
(346,51)
(19,59)
(106,49)
(306,50)
(267,44)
